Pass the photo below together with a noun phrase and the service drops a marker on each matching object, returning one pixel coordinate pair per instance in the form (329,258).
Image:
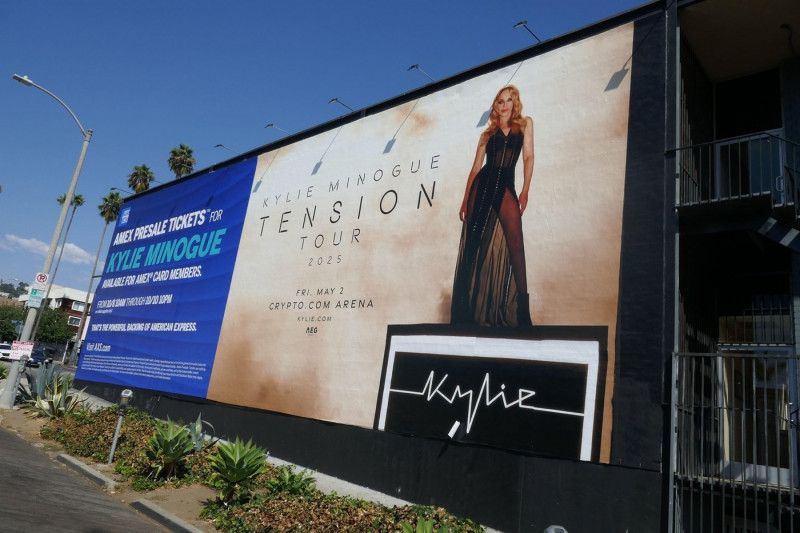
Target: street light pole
(9,395)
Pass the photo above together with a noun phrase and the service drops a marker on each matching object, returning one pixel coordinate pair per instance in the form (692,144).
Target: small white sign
(40,283)
(20,348)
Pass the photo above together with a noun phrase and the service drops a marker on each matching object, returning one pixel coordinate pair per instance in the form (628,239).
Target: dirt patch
(18,421)
(184,502)
(173,499)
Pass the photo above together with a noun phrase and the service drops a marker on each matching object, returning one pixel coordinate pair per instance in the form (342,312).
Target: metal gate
(735,448)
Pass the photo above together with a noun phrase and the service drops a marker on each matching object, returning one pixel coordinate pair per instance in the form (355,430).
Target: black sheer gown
(484,288)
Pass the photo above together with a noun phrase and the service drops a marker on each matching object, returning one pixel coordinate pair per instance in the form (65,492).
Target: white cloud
(35,246)
(72,253)
(77,255)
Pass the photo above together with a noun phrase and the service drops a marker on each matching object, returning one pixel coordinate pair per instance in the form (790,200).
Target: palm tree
(109,210)
(139,180)
(181,161)
(77,201)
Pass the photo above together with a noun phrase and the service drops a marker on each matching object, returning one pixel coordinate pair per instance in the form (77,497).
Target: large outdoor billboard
(158,308)
(298,265)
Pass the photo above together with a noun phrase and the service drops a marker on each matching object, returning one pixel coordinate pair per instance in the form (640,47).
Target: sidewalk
(39,495)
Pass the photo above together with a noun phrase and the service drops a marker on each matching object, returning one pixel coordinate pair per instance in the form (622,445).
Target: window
(74,321)
(78,306)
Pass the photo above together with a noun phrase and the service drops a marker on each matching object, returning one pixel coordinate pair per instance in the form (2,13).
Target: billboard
(329,242)
(158,308)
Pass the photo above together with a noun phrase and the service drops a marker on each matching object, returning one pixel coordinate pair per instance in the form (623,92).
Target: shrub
(3,372)
(168,448)
(88,433)
(423,526)
(286,480)
(330,514)
(437,516)
(235,465)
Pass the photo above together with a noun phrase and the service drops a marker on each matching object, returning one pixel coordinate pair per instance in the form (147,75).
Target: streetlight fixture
(524,24)
(8,396)
(417,67)
(332,100)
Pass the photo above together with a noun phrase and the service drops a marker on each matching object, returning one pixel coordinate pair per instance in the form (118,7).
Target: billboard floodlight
(417,67)
(332,100)
(524,24)
(271,125)
(220,145)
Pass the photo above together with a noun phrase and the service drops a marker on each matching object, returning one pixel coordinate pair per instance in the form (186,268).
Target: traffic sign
(35,298)
(40,283)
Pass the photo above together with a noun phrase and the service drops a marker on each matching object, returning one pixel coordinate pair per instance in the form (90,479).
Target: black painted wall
(645,323)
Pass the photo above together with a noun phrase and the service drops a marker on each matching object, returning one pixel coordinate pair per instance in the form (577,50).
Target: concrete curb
(165,518)
(87,471)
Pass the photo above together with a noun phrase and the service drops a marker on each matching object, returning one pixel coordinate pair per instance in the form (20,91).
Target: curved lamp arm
(26,81)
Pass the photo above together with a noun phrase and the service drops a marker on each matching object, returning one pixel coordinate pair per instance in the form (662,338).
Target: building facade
(73,303)
(654,390)
(737,160)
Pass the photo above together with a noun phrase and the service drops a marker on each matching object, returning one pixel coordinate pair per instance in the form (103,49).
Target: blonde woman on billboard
(491,285)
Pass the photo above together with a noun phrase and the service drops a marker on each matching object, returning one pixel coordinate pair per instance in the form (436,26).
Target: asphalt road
(38,494)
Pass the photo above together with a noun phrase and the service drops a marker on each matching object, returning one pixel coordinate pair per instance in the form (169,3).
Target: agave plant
(235,465)
(58,400)
(200,440)
(168,448)
(38,383)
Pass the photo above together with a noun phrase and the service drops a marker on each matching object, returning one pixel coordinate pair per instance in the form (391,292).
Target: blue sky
(146,75)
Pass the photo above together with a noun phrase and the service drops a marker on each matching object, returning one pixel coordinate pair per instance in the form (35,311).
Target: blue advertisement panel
(158,308)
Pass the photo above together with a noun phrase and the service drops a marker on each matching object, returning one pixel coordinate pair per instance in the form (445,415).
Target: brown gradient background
(405,260)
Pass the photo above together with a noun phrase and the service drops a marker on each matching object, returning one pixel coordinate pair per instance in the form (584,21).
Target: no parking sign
(40,283)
